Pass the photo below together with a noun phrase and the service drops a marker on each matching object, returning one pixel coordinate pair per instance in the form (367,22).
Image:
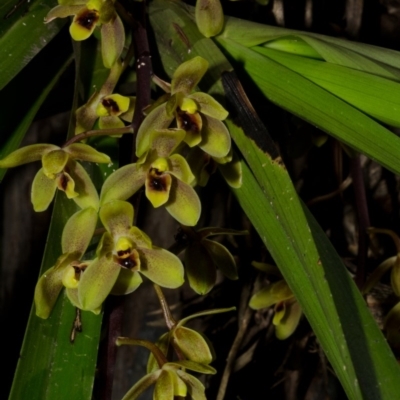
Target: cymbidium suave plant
(182,123)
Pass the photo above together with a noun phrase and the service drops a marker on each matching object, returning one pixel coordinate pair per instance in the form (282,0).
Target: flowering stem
(169,319)
(98,132)
(157,353)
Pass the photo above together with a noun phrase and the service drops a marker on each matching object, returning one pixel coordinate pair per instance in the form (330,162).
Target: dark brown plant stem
(144,69)
(169,319)
(98,132)
(113,318)
(362,216)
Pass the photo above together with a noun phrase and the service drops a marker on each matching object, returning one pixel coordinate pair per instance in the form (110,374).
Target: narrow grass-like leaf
(361,56)
(346,330)
(310,102)
(23,34)
(374,95)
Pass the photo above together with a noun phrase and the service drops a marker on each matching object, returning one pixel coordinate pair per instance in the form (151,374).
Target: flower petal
(193,366)
(111,122)
(216,138)
(122,183)
(391,326)
(161,267)
(140,386)
(192,124)
(232,172)
(201,165)
(209,106)
(266,297)
(83,24)
(209,17)
(188,75)
(88,196)
(222,258)
(165,141)
(158,188)
(395,277)
(114,104)
(43,190)
(63,11)
(127,282)
(112,41)
(183,203)
(78,231)
(26,155)
(139,237)
(200,269)
(288,323)
(117,217)
(66,184)
(97,282)
(128,115)
(180,169)
(54,162)
(193,345)
(155,120)
(50,284)
(164,389)
(84,152)
(195,388)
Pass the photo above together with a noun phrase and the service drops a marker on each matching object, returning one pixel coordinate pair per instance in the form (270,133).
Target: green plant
(180,137)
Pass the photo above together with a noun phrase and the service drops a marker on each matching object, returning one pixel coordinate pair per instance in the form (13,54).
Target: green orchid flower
(204,256)
(198,114)
(287,311)
(59,171)
(123,255)
(203,166)
(166,176)
(66,272)
(391,327)
(170,379)
(87,15)
(189,344)
(113,109)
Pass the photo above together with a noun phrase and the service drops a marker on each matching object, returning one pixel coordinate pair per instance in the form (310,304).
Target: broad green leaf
(315,273)
(23,35)
(50,366)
